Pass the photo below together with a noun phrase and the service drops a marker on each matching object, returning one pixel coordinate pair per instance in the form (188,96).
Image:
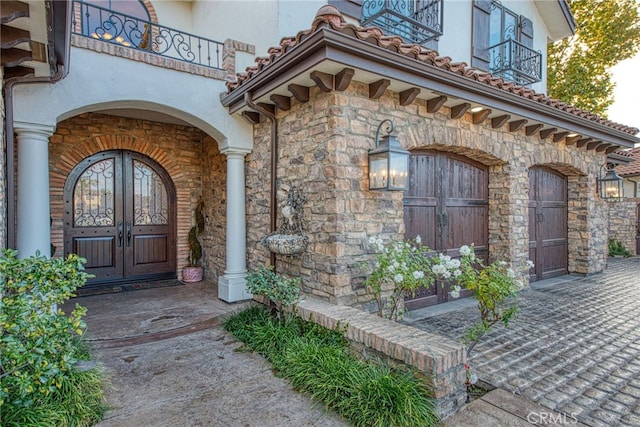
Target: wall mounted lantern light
(388,162)
(610,183)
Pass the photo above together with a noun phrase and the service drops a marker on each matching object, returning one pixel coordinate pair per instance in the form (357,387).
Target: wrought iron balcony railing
(516,62)
(124,30)
(416,21)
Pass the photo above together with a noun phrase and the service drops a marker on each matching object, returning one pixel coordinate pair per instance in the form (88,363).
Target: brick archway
(83,136)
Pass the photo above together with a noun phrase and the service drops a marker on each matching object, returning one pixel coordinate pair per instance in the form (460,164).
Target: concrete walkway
(170,364)
(574,348)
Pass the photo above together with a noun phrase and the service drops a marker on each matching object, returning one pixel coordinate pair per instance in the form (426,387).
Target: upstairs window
(503,43)
(416,21)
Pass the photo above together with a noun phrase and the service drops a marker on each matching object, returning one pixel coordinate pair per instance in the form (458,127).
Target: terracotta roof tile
(329,16)
(630,169)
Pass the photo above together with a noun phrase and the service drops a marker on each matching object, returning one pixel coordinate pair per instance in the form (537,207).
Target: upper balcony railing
(516,62)
(416,21)
(124,30)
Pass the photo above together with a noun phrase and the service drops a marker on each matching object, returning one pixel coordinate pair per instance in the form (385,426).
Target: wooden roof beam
(457,111)
(572,139)
(299,92)
(480,116)
(559,136)
(343,79)
(582,142)
(516,125)
(435,104)
(376,89)
(546,133)
(406,97)
(603,147)
(532,129)
(498,122)
(282,102)
(323,80)
(593,144)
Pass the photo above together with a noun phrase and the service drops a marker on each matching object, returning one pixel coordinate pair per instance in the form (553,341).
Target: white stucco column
(233,285)
(33,214)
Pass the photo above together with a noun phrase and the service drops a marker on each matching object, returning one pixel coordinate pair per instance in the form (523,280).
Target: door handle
(119,233)
(128,233)
(445,219)
(540,217)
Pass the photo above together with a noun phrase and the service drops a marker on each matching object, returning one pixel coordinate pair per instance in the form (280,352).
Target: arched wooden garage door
(447,205)
(119,214)
(547,223)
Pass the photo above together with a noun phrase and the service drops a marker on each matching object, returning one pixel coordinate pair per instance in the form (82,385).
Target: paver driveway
(575,347)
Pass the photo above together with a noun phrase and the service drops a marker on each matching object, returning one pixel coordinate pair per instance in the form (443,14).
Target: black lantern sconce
(388,162)
(611,184)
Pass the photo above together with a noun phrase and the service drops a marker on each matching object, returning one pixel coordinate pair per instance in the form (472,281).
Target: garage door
(447,205)
(547,223)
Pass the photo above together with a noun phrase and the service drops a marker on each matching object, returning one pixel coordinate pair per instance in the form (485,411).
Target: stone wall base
(440,359)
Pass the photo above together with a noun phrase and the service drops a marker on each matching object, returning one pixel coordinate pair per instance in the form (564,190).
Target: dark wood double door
(548,239)
(447,206)
(119,214)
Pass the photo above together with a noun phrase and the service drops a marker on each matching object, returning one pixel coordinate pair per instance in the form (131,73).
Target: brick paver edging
(440,358)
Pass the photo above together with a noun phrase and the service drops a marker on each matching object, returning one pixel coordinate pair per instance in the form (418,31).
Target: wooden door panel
(548,238)
(99,252)
(120,216)
(420,221)
(446,205)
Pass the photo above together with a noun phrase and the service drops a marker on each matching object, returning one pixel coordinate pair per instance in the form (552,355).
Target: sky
(625,109)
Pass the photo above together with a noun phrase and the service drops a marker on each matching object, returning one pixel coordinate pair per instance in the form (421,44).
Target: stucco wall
(186,153)
(323,150)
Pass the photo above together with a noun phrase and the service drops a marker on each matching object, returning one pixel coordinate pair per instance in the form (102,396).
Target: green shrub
(281,290)
(318,361)
(38,342)
(616,248)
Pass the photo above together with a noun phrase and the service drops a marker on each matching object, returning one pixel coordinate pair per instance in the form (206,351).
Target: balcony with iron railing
(131,32)
(416,21)
(516,62)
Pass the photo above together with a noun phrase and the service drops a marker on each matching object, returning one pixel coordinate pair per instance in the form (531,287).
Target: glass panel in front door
(94,196)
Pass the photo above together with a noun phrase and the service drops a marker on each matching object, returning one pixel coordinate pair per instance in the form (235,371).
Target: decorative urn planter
(286,244)
(192,274)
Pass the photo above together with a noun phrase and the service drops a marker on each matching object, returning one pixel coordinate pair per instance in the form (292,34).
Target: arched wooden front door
(119,214)
(447,206)
(548,237)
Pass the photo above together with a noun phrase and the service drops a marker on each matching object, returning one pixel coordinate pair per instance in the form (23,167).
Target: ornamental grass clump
(318,361)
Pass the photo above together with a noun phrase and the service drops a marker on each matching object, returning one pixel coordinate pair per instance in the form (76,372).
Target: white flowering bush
(402,267)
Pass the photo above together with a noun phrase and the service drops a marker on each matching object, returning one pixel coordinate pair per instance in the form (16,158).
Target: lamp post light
(388,162)
(611,184)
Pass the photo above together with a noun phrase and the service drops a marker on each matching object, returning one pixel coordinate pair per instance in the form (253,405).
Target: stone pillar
(233,285)
(33,214)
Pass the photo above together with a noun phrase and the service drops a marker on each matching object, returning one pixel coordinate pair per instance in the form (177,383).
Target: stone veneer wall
(323,148)
(186,153)
(623,222)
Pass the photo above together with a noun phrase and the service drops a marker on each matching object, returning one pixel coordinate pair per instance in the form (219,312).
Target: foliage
(616,248)
(281,290)
(578,69)
(494,287)
(317,361)
(404,266)
(195,248)
(37,340)
(77,402)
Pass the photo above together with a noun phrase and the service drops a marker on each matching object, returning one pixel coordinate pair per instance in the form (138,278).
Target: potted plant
(193,272)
